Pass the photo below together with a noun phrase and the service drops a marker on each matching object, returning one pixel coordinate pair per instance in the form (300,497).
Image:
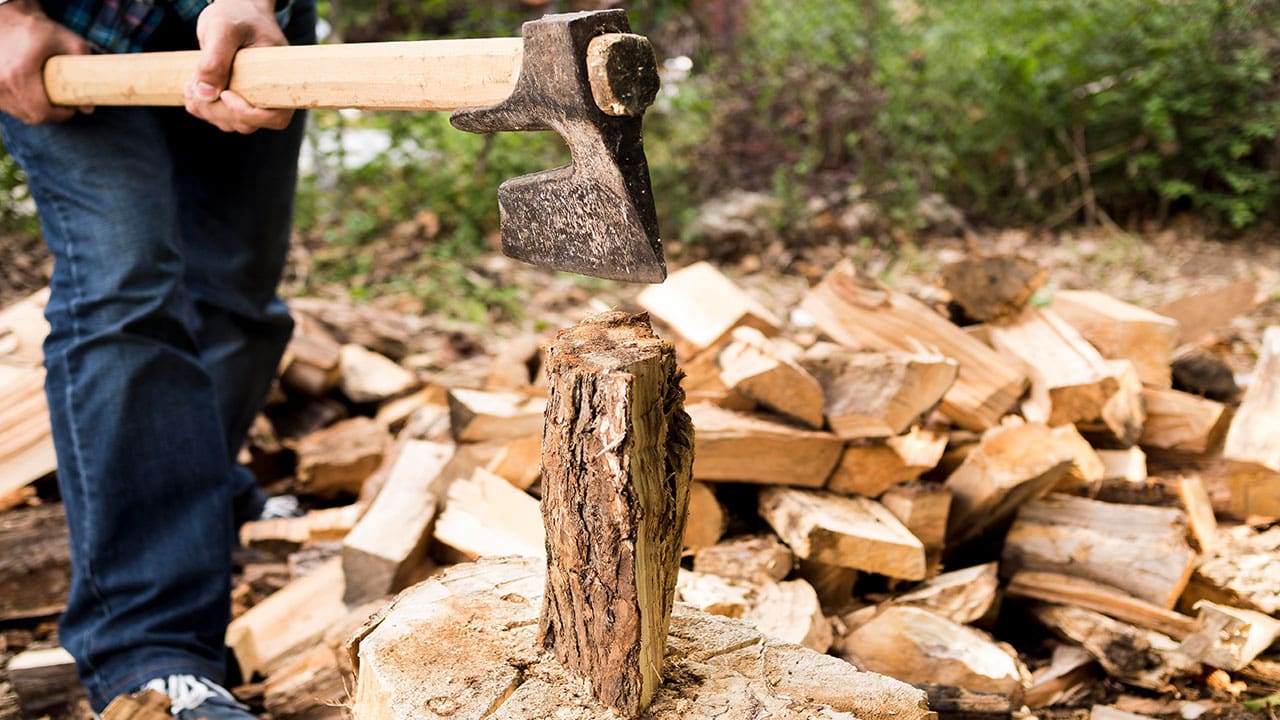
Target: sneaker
(281,506)
(197,698)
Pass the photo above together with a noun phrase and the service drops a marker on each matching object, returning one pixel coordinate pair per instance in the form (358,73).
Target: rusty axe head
(595,216)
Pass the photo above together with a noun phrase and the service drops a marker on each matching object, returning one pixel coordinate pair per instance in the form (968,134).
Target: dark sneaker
(196,698)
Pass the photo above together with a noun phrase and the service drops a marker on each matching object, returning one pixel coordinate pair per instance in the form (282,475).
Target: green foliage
(429,167)
(17,214)
(1016,111)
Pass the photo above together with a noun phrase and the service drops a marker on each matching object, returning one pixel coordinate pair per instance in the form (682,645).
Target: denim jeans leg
(235,209)
(142,461)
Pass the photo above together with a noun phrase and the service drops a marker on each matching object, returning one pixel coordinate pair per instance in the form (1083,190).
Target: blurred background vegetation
(855,121)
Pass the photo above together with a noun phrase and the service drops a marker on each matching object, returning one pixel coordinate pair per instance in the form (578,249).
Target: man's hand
(28,38)
(223,28)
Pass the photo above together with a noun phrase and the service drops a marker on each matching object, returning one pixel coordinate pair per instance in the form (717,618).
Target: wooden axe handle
(424,75)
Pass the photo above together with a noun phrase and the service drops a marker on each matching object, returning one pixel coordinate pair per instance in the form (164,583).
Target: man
(169,229)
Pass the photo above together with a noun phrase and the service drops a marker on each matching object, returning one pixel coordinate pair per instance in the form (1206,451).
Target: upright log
(617,462)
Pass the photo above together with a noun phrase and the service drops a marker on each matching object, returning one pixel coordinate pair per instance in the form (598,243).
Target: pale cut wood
(1202,313)
(963,596)
(873,468)
(515,365)
(394,414)
(617,457)
(1122,331)
(387,549)
(1229,638)
(734,447)
(922,508)
(756,367)
(861,313)
(23,329)
(1086,464)
(1144,658)
(44,680)
(486,516)
(312,362)
(1078,592)
(703,383)
(1139,549)
(877,394)
(338,459)
(146,705)
(26,440)
(1070,667)
(424,75)
(1070,380)
(519,461)
(310,687)
(786,611)
(833,584)
(993,288)
(1253,441)
(1181,421)
(1129,465)
(284,535)
(483,416)
(288,621)
(468,649)
(918,646)
(367,377)
(1103,712)
(1200,517)
(1013,463)
(758,559)
(1242,572)
(702,307)
(707,518)
(852,532)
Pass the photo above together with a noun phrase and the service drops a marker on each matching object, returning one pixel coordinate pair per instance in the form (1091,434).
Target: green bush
(1046,112)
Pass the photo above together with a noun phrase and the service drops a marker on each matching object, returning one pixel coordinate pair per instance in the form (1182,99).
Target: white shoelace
(187,692)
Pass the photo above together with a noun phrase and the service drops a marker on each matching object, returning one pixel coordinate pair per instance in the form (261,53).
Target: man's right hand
(27,39)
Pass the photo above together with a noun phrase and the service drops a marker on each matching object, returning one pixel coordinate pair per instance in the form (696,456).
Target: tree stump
(617,452)
(463,646)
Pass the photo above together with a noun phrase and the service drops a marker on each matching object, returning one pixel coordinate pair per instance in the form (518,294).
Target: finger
(256,118)
(211,112)
(217,49)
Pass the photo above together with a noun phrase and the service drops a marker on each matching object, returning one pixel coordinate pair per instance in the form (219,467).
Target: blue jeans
(169,239)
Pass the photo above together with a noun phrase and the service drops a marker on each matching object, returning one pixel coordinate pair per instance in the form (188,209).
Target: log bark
(44,680)
(994,288)
(35,567)
(617,459)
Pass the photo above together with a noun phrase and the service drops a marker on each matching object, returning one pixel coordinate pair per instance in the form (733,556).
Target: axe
(583,75)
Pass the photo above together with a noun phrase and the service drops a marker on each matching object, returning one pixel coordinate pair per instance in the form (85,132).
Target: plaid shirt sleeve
(123,26)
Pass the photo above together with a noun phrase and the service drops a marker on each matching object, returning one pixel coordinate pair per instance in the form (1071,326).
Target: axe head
(596,216)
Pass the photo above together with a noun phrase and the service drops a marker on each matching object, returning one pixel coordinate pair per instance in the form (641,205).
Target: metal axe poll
(583,75)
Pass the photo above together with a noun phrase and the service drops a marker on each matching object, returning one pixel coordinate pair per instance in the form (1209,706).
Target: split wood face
(596,216)
(617,460)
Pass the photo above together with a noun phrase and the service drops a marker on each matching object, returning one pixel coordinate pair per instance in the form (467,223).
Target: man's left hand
(223,28)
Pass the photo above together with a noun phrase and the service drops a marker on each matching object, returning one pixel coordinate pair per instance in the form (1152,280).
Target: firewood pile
(1057,508)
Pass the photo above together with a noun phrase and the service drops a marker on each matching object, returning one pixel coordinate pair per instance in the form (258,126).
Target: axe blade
(596,216)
